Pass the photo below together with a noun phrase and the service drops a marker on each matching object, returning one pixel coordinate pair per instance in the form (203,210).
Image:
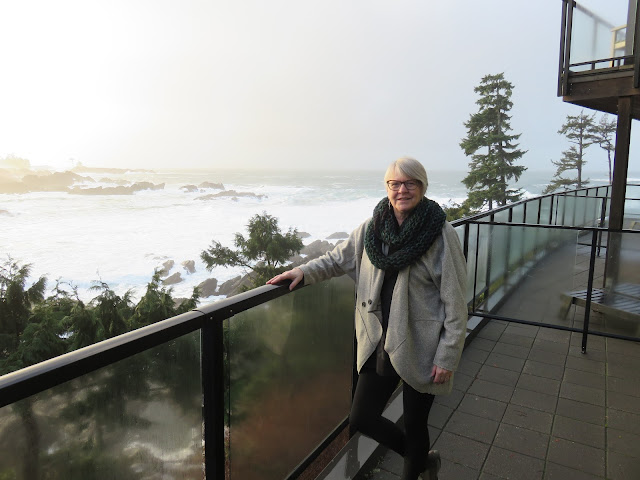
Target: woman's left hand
(440,375)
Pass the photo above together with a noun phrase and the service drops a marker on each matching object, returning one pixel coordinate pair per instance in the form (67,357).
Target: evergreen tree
(605,133)
(25,338)
(264,252)
(16,302)
(581,132)
(491,147)
(455,210)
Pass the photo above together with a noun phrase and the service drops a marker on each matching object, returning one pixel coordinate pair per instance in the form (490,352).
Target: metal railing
(506,250)
(133,370)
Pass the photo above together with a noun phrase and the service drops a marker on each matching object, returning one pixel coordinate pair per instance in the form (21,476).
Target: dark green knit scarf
(410,242)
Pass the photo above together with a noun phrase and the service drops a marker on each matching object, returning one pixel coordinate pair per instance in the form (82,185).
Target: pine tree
(605,131)
(264,252)
(581,132)
(491,147)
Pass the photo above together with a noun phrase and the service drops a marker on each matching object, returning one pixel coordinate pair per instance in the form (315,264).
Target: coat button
(364,304)
(370,302)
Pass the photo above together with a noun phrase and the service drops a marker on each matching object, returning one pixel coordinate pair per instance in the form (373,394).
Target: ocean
(79,240)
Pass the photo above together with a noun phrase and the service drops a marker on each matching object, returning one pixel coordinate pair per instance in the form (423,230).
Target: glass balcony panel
(617,309)
(517,215)
(138,418)
(499,247)
(530,240)
(632,207)
(533,207)
(516,246)
(538,283)
(599,32)
(557,209)
(502,216)
(569,211)
(482,259)
(545,210)
(593,212)
(290,368)
(471,261)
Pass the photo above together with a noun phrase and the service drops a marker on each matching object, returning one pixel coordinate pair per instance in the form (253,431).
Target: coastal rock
(338,235)
(234,286)
(315,249)
(189,188)
(147,186)
(208,287)
(172,279)
(119,190)
(41,182)
(166,268)
(303,235)
(4,212)
(216,186)
(189,266)
(232,194)
(229,286)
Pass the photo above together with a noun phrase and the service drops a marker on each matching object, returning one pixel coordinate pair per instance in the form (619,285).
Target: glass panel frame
(139,417)
(290,372)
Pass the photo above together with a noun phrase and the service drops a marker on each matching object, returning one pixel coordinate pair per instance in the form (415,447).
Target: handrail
(36,378)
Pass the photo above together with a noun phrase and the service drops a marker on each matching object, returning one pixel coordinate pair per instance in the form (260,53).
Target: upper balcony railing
(598,37)
(254,386)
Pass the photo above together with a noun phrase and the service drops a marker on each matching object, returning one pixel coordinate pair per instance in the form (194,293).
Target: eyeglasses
(409,184)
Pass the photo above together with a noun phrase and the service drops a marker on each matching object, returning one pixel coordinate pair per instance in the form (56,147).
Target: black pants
(372,394)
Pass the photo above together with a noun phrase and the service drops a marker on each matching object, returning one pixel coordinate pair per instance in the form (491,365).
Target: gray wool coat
(428,317)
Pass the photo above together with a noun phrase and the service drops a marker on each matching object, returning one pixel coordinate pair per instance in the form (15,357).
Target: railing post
(475,273)
(587,311)
(487,276)
(636,54)
(563,52)
(212,368)
(465,246)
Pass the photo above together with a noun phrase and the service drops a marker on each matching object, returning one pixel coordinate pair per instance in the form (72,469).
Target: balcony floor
(528,404)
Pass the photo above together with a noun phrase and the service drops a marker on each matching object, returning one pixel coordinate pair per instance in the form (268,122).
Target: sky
(282,84)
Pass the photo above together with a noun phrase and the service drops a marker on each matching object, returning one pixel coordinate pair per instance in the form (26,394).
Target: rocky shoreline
(211,286)
(30,181)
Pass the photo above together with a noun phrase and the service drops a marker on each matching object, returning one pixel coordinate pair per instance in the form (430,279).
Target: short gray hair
(410,167)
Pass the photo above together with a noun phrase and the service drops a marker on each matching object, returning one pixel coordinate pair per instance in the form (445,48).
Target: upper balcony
(599,59)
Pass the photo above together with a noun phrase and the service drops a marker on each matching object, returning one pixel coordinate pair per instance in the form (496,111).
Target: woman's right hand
(295,275)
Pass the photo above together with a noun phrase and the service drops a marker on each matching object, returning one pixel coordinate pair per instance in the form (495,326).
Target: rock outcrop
(172,279)
(215,186)
(338,235)
(166,268)
(208,287)
(189,266)
(119,190)
(230,194)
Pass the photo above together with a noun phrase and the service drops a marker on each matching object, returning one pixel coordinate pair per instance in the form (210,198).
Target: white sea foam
(121,239)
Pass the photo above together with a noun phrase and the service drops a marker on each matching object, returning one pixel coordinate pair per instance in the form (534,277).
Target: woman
(411,313)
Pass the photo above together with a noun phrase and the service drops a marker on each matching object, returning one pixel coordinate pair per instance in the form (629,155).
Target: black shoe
(433,466)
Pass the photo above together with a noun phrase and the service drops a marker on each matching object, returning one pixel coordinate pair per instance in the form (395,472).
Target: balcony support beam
(621,162)
(618,190)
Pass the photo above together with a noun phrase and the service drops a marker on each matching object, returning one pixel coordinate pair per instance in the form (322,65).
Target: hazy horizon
(161,84)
